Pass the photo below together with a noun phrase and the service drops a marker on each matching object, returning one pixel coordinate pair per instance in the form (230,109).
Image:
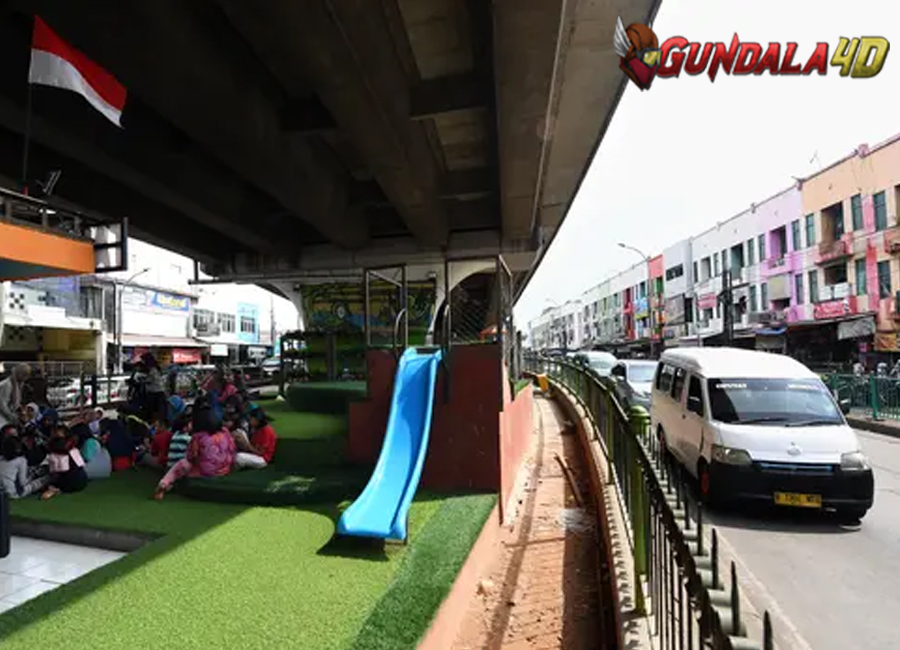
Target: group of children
(41,454)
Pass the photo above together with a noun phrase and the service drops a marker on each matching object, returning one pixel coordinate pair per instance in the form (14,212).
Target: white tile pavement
(36,566)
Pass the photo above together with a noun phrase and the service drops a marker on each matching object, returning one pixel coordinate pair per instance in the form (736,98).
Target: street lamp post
(118,332)
(646,259)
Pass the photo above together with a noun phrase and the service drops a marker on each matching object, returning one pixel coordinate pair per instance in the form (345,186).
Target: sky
(689,153)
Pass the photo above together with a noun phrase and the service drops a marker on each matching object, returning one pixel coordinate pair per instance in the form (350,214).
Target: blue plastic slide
(381,509)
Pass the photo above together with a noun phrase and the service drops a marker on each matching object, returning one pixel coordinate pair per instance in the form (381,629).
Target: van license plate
(798,500)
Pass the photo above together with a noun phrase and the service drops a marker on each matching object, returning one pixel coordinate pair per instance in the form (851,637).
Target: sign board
(187,355)
(779,287)
(641,308)
(675,310)
(218,350)
(258,353)
(856,329)
(707,301)
(138,298)
(832,309)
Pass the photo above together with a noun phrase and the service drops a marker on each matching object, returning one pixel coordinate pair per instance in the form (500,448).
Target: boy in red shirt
(257,451)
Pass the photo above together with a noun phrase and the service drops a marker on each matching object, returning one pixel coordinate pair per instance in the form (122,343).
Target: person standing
(11,394)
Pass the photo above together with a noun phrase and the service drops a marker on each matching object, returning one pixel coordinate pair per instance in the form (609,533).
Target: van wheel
(663,447)
(705,483)
(851,515)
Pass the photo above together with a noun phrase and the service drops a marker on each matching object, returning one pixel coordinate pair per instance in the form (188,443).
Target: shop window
(751,258)
(795,235)
(798,289)
(813,286)
(810,226)
(226,322)
(248,325)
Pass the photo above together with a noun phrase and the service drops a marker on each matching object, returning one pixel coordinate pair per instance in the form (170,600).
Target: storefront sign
(675,310)
(258,353)
(707,301)
(169,302)
(218,350)
(187,355)
(641,308)
(779,287)
(833,309)
(856,329)
(146,298)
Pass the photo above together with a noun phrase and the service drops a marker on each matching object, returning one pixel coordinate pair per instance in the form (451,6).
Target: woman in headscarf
(11,393)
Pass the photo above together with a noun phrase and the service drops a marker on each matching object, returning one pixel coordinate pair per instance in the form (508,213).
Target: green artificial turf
(307,441)
(274,487)
(230,576)
(520,386)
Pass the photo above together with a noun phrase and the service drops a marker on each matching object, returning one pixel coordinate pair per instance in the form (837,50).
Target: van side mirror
(695,404)
(845,405)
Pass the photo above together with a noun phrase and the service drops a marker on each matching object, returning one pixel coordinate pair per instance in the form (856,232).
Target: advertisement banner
(707,301)
(641,308)
(187,355)
(168,302)
(832,309)
(675,310)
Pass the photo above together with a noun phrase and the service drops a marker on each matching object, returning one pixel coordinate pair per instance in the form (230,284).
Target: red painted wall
(473,445)
(516,427)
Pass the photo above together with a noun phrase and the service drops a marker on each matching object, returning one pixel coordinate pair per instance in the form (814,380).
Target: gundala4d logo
(642,58)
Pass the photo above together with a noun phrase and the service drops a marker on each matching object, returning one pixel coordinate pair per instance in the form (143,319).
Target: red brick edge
(450,616)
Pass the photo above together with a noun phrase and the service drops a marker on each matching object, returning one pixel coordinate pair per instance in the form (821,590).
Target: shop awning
(141,341)
(771,331)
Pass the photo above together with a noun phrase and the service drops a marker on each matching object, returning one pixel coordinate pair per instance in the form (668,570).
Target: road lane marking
(787,636)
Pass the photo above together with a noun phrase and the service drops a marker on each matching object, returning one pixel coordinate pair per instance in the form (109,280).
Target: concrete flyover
(281,140)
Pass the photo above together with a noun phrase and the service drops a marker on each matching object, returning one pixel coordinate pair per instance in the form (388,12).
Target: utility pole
(727,301)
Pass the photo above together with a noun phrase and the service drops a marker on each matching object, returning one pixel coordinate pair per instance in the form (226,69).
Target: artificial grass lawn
(230,576)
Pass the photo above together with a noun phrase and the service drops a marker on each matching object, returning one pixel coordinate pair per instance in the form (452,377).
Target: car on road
(633,381)
(600,363)
(756,426)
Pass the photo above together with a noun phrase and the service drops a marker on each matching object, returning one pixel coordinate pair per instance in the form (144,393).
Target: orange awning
(27,252)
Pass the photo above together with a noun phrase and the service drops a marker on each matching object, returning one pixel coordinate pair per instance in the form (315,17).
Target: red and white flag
(56,63)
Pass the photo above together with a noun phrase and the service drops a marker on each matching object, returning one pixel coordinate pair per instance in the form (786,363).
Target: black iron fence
(679,584)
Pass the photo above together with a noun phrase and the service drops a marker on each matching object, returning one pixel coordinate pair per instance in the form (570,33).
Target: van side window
(695,396)
(678,384)
(664,379)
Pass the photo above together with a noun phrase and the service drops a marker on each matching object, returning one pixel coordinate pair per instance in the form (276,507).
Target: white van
(759,426)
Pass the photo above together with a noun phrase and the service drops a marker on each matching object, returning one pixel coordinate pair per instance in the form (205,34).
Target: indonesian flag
(56,63)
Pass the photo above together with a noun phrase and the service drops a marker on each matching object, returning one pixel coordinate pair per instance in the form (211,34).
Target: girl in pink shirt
(210,452)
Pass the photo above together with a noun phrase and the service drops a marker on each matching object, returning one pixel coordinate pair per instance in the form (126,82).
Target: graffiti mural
(340,306)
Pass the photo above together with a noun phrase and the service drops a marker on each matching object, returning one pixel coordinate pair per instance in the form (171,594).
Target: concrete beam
(89,152)
(434,97)
(346,48)
(307,117)
(527,40)
(171,55)
(469,184)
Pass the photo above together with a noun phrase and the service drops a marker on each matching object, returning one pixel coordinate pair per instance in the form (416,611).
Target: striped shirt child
(178,446)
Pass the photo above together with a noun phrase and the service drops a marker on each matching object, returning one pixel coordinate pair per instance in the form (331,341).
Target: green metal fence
(678,581)
(869,395)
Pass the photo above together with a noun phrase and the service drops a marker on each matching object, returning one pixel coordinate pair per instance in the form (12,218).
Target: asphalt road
(829,587)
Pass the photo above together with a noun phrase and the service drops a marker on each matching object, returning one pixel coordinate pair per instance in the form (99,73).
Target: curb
(875,426)
(109,540)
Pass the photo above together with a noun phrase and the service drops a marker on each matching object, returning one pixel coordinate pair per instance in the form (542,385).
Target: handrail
(673,555)
(397,321)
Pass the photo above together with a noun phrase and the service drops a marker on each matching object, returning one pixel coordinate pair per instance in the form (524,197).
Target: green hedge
(325,397)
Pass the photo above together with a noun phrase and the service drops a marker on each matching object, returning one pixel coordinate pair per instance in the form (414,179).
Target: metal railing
(679,584)
(869,395)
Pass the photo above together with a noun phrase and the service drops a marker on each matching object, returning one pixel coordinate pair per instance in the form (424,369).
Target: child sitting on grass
(15,478)
(210,452)
(181,437)
(257,451)
(67,471)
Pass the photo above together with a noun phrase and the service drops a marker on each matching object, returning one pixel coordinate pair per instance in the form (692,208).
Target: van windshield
(780,402)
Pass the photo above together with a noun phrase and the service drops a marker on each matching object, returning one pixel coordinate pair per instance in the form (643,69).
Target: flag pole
(27,143)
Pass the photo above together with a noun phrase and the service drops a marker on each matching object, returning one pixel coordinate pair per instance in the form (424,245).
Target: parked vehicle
(633,382)
(601,363)
(271,367)
(755,426)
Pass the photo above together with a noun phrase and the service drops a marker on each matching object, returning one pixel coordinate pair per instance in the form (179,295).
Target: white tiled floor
(36,566)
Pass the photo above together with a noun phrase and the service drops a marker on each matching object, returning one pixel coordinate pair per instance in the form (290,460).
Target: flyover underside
(285,139)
